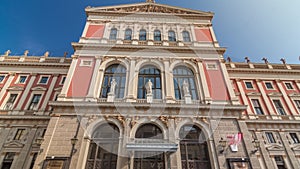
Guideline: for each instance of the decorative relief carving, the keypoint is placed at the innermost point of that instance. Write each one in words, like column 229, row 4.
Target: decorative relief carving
column 150, row 8
column 164, row 119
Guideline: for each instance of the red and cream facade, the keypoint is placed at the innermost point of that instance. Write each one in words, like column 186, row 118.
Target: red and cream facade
column 125, row 125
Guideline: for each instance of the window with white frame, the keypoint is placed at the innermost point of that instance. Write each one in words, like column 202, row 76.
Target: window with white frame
column 44, row 80
column 19, row 134
column 297, row 102
column 143, row 35
column 257, row 107
column 22, row 79
column 280, row 162
column 295, row 138
column 10, row 102
column 157, row 35
column 172, row 36
column 269, row 85
column 270, row 137
column 8, row 160
column 113, row 34
column 63, row 79
column 2, row 78
column 128, row 34
column 279, row 107
column 289, row 86
column 186, row 36
column 249, row 85
column 34, row 102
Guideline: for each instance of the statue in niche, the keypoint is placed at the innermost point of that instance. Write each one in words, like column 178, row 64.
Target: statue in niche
column 148, row 87
column 185, row 88
column 113, row 84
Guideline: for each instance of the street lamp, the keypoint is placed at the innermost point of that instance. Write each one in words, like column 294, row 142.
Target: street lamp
column 256, row 145
column 222, row 143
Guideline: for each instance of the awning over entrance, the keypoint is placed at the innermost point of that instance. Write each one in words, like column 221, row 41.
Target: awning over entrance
column 157, row 145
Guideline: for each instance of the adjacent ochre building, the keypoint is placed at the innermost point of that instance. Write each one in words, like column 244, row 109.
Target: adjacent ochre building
column 148, row 88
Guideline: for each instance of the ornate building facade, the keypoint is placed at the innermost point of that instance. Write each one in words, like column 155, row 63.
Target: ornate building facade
column 148, row 88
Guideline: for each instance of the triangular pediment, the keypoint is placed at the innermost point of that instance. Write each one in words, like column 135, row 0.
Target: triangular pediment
column 58, row 89
column 16, row 88
column 294, row 95
column 253, row 94
column 147, row 8
column 296, row 148
column 275, row 94
column 14, row 144
column 276, row 147
column 39, row 88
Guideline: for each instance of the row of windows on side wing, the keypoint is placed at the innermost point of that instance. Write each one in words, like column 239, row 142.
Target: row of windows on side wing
column 269, row 85
column 22, row 79
column 157, row 36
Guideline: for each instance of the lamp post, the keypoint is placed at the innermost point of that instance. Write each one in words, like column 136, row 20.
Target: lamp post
column 256, row 145
column 222, row 143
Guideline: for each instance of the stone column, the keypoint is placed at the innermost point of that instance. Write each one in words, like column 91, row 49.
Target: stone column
column 172, row 138
column 232, row 95
column 169, row 83
column 243, row 95
column 24, row 155
column 6, row 85
column 92, row 90
column 286, row 99
column 290, row 154
column 49, row 92
column 131, row 82
column 26, row 92
column 203, row 82
column 264, row 153
column 249, row 147
column 265, row 97
column 69, row 77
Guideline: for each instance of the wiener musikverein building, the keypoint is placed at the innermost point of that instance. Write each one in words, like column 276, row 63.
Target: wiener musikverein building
column 147, row 87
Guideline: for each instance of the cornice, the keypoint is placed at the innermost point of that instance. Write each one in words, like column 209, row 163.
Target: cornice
column 124, row 47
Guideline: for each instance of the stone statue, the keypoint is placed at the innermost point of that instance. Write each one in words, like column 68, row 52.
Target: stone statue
column 7, row 53
column 46, row 54
column 149, row 87
column 26, row 53
column 185, row 88
column 113, row 84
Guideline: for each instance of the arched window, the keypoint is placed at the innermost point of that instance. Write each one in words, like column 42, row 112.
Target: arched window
column 186, row 36
column 117, row 72
column 157, row 35
column 113, row 34
column 172, row 36
column 143, row 35
column 152, row 74
column 149, row 159
column 193, row 148
column 128, row 34
column 181, row 74
column 103, row 151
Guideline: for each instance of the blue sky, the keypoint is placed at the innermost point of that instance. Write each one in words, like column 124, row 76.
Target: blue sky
column 253, row 28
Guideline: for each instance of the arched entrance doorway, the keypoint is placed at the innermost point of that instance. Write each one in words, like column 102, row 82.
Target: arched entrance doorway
column 103, row 151
column 193, row 148
column 149, row 133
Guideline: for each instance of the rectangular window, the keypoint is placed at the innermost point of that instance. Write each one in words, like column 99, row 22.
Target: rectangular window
column 9, row 104
column 279, row 162
column 63, row 79
column 33, row 160
column 270, row 137
column 294, row 138
column 44, row 80
column 19, row 134
column 34, row 102
column 8, row 160
column 297, row 102
column 2, row 78
column 22, row 79
column 269, row 85
column 257, row 107
column 249, row 85
column 279, row 107
column 289, row 86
